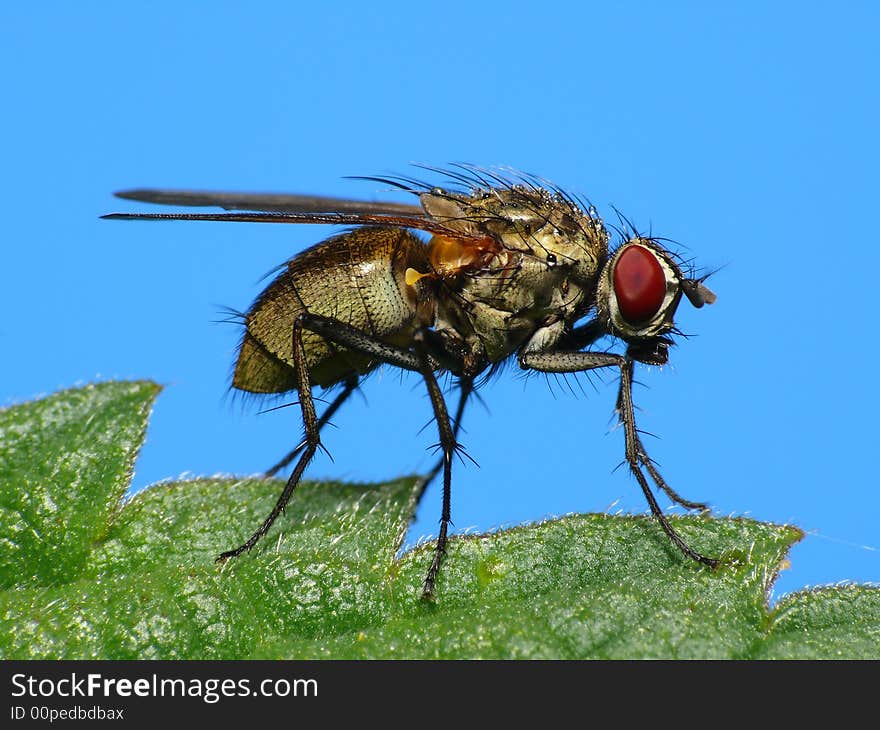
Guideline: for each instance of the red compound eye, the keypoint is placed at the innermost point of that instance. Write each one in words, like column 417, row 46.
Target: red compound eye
column 639, row 283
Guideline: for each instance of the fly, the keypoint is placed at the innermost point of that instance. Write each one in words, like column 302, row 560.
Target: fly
column 514, row 268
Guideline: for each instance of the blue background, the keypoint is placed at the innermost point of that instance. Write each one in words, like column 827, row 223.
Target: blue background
column 747, row 134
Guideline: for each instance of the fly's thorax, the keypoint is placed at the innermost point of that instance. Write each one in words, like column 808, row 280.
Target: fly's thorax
column 557, row 249
column 497, row 308
column 639, row 290
column 534, row 222
column 515, row 259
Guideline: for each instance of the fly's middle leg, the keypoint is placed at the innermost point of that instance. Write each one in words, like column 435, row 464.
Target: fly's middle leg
column 423, row 362
column 465, row 390
column 448, row 445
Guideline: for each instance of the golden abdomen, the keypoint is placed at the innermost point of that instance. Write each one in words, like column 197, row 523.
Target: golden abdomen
column 357, row 278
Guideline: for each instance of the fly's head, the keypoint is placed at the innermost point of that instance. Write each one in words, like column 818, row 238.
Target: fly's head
column 639, row 290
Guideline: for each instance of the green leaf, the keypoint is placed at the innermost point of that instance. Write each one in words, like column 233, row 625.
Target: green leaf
column 65, row 462
column 842, row 622
column 140, row 581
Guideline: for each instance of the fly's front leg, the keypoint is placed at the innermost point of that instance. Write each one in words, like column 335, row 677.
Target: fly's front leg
column 635, row 454
column 645, row 460
column 654, row 352
column 573, row 362
column 312, row 441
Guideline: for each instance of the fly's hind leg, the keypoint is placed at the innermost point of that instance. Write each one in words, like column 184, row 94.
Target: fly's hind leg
column 349, row 387
column 312, row 442
column 421, row 361
column 636, row 457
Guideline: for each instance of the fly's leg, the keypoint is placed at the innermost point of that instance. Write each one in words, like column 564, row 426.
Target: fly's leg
column 465, row 389
column 423, row 362
column 420, row 361
column 573, row 362
column 635, row 454
column 448, row 444
column 585, row 335
column 649, row 465
column 312, row 441
column 349, row 388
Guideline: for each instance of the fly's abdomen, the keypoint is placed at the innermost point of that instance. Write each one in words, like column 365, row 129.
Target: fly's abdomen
column 357, row 278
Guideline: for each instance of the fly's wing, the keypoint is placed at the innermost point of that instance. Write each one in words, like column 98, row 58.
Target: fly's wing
column 460, row 243
column 282, row 208
column 274, row 202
